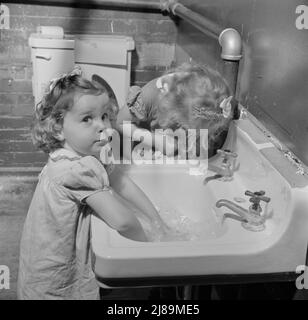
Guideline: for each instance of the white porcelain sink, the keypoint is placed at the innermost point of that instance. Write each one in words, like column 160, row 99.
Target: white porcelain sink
column 219, row 248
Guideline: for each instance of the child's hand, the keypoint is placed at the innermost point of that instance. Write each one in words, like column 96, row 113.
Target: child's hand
column 162, row 227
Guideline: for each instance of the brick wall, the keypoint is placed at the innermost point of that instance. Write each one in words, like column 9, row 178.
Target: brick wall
column 154, row 36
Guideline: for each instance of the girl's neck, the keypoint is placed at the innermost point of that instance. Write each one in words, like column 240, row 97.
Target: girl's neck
column 68, row 147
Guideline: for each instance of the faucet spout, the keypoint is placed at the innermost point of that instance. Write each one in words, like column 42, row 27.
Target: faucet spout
column 252, row 219
column 243, row 213
column 226, row 167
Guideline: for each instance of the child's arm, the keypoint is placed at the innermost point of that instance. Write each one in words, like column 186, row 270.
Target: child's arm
column 133, row 194
column 110, row 207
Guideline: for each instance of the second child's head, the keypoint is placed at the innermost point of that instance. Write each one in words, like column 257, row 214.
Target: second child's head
column 195, row 97
column 73, row 114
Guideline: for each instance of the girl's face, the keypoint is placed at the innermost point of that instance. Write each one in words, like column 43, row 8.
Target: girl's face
column 84, row 123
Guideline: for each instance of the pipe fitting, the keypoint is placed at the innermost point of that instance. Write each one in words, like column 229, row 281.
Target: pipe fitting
column 168, row 5
column 231, row 44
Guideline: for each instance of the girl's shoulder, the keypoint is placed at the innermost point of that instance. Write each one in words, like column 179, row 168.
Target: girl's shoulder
column 67, row 168
column 142, row 101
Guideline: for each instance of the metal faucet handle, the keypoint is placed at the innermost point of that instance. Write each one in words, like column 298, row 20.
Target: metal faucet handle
column 257, row 196
column 227, row 153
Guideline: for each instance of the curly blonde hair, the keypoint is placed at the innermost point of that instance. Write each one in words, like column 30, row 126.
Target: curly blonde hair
column 192, row 88
column 50, row 111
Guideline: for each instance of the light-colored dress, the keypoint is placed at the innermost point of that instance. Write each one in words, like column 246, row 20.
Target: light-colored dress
column 55, row 250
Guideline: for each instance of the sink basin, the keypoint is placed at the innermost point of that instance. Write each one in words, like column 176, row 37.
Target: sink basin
column 217, row 246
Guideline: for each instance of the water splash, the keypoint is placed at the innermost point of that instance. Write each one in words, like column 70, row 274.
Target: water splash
column 180, row 227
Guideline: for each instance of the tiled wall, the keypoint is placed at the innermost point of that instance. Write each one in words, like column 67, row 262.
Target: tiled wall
column 154, row 35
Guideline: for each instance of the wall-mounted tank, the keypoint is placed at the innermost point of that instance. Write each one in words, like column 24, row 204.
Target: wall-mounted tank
column 106, row 60
column 52, row 54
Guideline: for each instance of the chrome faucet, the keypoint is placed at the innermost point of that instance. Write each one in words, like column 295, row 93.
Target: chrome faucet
column 226, row 169
column 251, row 219
column 227, row 164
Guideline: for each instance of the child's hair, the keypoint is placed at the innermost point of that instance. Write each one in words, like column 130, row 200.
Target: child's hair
column 60, row 98
column 193, row 101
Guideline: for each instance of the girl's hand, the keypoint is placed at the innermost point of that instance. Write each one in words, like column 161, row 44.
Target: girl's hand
column 162, row 227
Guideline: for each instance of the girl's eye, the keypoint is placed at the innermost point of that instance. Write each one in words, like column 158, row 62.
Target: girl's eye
column 86, row 119
column 105, row 116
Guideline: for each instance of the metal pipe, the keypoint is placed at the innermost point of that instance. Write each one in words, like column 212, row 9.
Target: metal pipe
column 231, row 53
column 131, row 4
column 231, row 44
column 204, row 25
column 229, row 39
column 230, row 72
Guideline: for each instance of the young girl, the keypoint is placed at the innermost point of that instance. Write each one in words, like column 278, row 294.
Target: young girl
column 55, row 256
column 191, row 97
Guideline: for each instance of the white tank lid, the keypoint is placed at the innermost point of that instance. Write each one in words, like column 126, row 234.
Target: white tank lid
column 111, row 40
column 103, row 49
column 51, row 37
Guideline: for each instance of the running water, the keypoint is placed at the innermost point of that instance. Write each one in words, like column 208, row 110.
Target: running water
column 182, row 228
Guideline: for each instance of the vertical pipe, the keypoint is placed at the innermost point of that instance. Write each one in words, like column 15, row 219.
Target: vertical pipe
column 229, row 39
column 231, row 53
column 230, row 72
